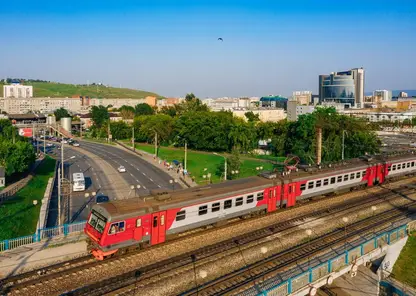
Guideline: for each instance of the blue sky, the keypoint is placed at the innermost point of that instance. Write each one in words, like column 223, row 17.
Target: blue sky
column 171, row 47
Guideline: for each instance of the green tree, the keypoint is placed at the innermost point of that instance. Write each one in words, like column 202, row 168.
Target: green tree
column 120, row 130
column 99, row 115
column 144, row 109
column 127, row 112
column 233, row 166
column 61, row 113
column 251, row 117
column 170, row 110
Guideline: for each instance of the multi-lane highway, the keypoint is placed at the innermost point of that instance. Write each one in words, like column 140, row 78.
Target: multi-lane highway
column 86, row 159
column 138, row 171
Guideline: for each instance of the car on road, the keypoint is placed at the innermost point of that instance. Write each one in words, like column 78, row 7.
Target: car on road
column 50, row 145
column 74, row 143
column 102, row 199
column 121, row 169
column 64, row 141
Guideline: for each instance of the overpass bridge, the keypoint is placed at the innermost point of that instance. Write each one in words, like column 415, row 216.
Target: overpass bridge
column 307, row 278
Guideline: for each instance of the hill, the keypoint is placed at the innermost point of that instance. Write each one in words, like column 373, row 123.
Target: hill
column 54, row 89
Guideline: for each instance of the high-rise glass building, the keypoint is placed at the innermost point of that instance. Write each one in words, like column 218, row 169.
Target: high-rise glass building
column 346, row 88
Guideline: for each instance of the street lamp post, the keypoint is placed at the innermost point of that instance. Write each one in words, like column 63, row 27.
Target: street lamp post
column 173, row 183
column 373, row 211
column 225, row 166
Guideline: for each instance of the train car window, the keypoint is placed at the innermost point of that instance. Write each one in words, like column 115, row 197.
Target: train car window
column 363, row 174
column 290, row 190
column 358, row 175
column 326, row 182
column 116, row 227
column 318, row 183
column 389, row 168
column 345, row 177
column 399, row 166
column 228, row 204
column 339, row 179
column 239, row 201
column 162, row 220
column 260, row 196
column 155, row 221
column 138, row 222
column 215, row 207
column 310, row 185
column 180, row 215
column 203, row 210
column 408, row 164
column 250, row 199
column 302, row 187
column 413, row 163
column 394, row 167
column 333, row 180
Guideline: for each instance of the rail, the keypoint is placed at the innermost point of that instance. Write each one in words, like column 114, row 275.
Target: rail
column 43, row 234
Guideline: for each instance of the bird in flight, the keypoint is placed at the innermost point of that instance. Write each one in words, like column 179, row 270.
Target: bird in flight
column 220, row 39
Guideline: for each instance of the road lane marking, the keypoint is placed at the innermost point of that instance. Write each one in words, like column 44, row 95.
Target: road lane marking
column 159, row 186
column 144, row 187
column 144, row 174
column 151, row 179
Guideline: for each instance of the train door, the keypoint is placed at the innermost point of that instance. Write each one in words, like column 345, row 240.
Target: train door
column 138, row 230
column 158, row 228
column 371, row 173
column 380, row 173
column 291, row 194
column 271, row 199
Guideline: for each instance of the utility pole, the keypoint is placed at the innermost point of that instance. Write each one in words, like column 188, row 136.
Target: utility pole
column 155, row 144
column 132, row 140
column 59, row 196
column 186, row 146
column 44, row 142
column 108, row 131
column 225, row 169
column 343, row 141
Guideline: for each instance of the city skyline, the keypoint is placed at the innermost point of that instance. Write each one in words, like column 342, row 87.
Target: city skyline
column 267, row 47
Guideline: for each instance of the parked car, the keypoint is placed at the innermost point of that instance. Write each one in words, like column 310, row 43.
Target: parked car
column 74, row 143
column 50, row 145
column 64, row 141
column 121, row 169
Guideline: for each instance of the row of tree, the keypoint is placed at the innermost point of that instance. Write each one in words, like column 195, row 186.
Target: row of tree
column 16, row 152
column 192, row 122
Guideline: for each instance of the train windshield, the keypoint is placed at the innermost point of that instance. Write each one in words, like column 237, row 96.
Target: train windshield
column 97, row 221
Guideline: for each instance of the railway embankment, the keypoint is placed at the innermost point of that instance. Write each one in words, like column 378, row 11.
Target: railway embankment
column 383, row 198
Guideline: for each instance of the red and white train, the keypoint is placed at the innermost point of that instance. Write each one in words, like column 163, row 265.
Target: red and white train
column 133, row 222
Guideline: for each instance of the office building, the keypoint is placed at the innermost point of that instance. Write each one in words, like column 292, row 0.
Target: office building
column 345, row 88
column 273, row 102
column 294, row 110
column 17, row 91
column 403, row 94
column 272, row 115
column 302, row 97
column 382, row 96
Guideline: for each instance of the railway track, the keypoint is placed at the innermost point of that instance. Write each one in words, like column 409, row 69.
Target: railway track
column 64, row 272
column 152, row 274
column 233, row 283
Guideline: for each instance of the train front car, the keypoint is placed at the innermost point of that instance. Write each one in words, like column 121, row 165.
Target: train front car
column 116, row 226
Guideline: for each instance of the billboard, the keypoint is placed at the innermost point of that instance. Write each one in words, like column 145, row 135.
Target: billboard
column 25, row 132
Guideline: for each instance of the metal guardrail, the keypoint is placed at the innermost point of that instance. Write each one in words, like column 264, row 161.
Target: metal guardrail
column 43, row 234
column 277, row 287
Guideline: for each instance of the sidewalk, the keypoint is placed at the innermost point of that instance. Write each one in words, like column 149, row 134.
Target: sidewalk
column 42, row 254
column 185, row 181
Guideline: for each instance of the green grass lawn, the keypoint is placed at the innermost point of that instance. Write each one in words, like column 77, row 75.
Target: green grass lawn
column 101, row 141
column 53, row 89
column 199, row 161
column 405, row 268
column 18, row 217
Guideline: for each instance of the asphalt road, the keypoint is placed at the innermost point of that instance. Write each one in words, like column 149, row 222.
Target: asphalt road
column 138, row 171
column 94, row 182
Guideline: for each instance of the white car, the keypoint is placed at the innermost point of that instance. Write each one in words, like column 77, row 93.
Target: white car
column 75, row 144
column 49, row 145
column 121, row 169
column 64, row 141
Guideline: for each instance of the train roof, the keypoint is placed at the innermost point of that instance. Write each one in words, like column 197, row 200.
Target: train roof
column 162, row 199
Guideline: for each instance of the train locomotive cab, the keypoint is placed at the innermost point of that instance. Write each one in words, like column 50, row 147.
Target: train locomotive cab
column 110, row 229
